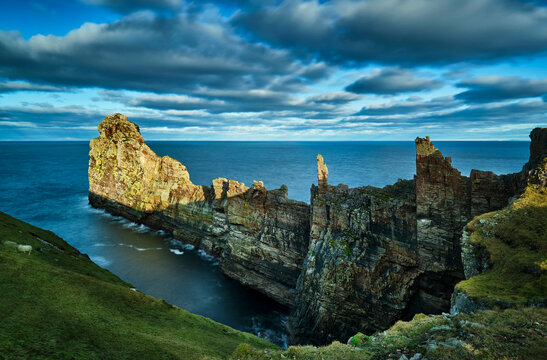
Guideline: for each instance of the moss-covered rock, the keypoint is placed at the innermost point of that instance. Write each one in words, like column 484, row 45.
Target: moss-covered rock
column 504, row 254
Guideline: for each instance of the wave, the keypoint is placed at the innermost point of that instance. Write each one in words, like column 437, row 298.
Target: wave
column 100, row 260
column 209, row 258
column 176, row 251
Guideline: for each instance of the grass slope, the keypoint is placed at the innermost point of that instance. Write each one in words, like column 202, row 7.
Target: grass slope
column 57, row 304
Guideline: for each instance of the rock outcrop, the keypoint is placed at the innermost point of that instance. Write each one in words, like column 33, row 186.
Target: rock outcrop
column 355, row 259
column 260, row 235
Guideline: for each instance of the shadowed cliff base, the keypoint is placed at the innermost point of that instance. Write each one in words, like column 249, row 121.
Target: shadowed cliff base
column 354, row 259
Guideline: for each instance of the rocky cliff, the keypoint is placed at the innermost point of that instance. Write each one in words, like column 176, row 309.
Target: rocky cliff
column 260, row 235
column 355, row 259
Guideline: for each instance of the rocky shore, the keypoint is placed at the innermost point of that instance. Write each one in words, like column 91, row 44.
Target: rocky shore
column 355, row 259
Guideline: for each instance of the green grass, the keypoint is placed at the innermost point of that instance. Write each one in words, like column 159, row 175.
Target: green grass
column 516, row 241
column 57, row 304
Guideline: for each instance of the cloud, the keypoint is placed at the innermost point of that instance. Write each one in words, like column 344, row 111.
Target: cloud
column 127, row 6
column 409, row 106
column 217, row 101
column 400, row 32
column 335, row 98
column 13, row 86
column 497, row 88
column 523, row 112
column 392, row 80
column 143, row 51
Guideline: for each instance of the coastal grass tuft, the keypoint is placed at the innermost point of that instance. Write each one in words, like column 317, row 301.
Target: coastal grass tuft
column 515, row 239
column 56, row 304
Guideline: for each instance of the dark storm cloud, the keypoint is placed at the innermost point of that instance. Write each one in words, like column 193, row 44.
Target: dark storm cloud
column 498, row 88
column 393, row 80
column 143, row 51
column 401, row 31
column 409, row 106
column 127, row 6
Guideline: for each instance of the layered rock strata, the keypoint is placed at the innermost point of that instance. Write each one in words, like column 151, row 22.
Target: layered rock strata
column 355, row 259
column 260, row 235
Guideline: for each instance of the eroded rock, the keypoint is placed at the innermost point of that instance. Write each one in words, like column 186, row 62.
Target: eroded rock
column 261, row 236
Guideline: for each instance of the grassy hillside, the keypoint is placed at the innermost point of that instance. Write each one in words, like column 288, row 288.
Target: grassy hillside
column 56, row 304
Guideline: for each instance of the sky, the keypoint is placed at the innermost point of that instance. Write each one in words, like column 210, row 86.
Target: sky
column 274, row 70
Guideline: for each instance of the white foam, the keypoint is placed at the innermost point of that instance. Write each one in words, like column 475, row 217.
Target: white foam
column 176, row 251
column 207, row 257
column 178, row 244
column 138, row 248
column 100, row 260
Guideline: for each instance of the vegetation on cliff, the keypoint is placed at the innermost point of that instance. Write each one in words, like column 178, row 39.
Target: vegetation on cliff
column 57, row 304
column 489, row 334
column 513, row 245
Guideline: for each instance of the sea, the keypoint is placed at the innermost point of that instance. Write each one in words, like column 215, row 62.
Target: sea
column 46, row 184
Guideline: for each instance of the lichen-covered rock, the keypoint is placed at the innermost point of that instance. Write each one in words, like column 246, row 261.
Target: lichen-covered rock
column 322, row 173
column 475, row 257
column 260, row 236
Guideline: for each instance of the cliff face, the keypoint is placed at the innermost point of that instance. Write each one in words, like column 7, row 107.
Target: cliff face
column 260, row 236
column 360, row 265
column 379, row 255
column 355, row 259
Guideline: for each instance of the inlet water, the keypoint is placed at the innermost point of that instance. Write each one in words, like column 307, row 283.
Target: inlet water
column 45, row 184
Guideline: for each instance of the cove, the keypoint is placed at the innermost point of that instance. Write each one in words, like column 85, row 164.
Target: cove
column 46, row 184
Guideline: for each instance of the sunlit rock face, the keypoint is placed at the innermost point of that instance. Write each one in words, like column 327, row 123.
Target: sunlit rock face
column 260, row 236
column 355, row 259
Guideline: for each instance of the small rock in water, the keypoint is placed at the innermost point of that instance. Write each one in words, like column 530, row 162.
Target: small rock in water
column 417, row 356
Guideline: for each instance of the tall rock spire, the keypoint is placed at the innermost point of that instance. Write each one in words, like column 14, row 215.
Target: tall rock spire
column 322, row 173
